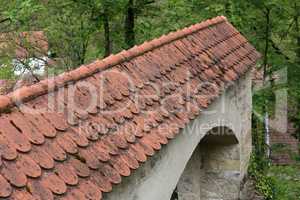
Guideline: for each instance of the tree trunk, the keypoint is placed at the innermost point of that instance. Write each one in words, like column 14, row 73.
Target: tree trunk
column 106, row 34
column 297, row 29
column 297, row 33
column 267, row 35
column 265, row 65
column 129, row 24
column 81, row 52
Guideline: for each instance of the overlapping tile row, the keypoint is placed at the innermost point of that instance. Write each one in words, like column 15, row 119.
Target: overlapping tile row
column 80, row 146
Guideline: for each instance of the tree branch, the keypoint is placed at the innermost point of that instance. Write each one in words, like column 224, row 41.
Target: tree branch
column 4, row 20
column 29, row 69
column 278, row 50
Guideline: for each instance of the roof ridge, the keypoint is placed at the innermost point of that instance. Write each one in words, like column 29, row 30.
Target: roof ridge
column 27, row 93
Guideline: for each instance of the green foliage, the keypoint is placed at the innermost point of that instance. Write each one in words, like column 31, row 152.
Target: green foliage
column 75, row 28
column 258, row 140
column 279, row 147
column 286, row 181
column 259, row 164
column 21, row 12
column 263, row 183
column 6, row 72
column 262, row 98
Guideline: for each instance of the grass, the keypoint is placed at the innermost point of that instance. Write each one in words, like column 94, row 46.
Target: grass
column 286, row 181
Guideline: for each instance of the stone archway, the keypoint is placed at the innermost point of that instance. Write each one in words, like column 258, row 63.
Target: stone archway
column 213, row 171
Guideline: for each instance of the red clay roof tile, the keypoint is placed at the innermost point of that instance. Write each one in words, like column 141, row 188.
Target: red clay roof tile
column 101, row 181
column 36, row 188
column 67, row 173
column 52, row 182
column 13, row 174
column 29, row 166
column 143, row 97
column 90, row 190
column 120, row 166
column 8, row 151
column 5, row 187
column 80, row 167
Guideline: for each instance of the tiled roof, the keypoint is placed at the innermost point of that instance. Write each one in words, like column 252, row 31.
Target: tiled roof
column 78, row 148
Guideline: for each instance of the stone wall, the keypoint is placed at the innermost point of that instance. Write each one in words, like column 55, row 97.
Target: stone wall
column 158, row 177
column 213, row 172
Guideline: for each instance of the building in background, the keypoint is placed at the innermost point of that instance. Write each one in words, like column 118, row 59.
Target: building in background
column 28, row 52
